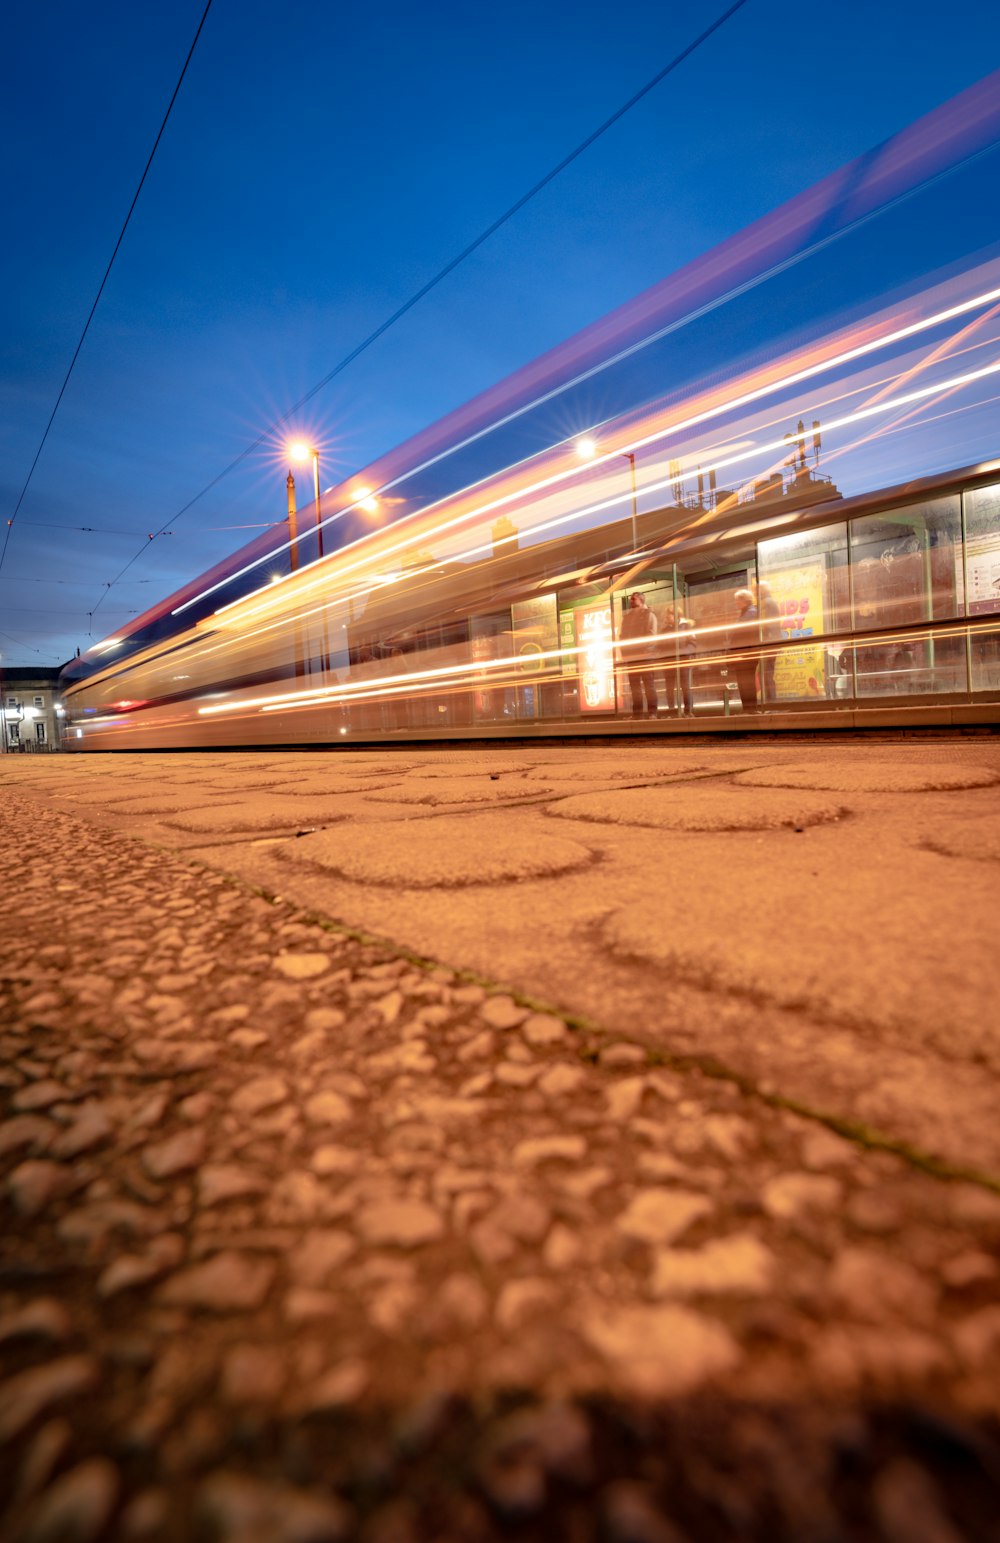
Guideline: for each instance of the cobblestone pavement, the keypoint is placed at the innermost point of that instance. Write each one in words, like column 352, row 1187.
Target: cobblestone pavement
column 309, row 1236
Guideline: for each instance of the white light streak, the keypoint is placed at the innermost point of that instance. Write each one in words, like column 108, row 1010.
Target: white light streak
column 859, row 351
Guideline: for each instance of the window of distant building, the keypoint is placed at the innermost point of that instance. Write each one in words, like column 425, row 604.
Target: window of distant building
column 39, row 733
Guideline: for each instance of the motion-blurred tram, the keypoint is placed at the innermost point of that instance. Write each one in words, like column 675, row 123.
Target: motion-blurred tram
column 669, row 460
column 783, row 605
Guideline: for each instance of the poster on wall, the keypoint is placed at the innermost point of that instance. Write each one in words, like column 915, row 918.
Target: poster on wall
column 596, row 658
column 535, row 625
column 982, row 558
column 982, row 550
column 799, row 592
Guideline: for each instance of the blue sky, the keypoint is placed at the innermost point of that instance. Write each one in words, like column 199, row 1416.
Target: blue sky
column 320, row 164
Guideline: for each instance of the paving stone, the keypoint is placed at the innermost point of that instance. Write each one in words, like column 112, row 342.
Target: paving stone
column 338, row 1388
column 400, row 1223
column 873, row 1285
column 39, row 1095
column 631, row 1515
column 662, row 1215
column 560, row 1079
column 520, row 1300
column 544, row 1149
column 90, row 1226
column 624, row 1098
column 78, row 1505
column 236, row 1509
column 145, row 1516
column 219, row 1182
column 91, row 1128
column 738, row 1264
column 327, row 1108
column 622, row 1054
column 700, row 808
column 46, row 1452
column 34, row 1183
column 977, row 1336
column 796, row 1194
column 260, row 1094
column 479, row 849
column 45, row 1318
column 302, row 966
column 881, row 776
column 318, row 1257
column 660, row 1351
column 503, row 1013
column 253, row 1374
column 35, row 1392
column 178, row 1154
column 31, row 1131
column 392, row 1202
column 131, row 1270
column 230, row 1282
column 544, row 1029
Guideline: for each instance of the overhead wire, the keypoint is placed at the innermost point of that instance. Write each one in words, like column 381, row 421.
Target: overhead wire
column 440, row 276
column 103, row 283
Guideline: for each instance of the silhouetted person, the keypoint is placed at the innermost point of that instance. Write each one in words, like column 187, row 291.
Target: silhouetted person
column 770, row 631
column 743, row 636
column 677, row 656
column 686, row 649
column 639, row 622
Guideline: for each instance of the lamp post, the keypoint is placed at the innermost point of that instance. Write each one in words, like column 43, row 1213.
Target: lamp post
column 302, row 452
column 293, row 528
column 586, row 449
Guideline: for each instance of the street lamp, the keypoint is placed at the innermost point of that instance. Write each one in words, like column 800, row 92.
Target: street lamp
column 586, row 449
column 301, row 452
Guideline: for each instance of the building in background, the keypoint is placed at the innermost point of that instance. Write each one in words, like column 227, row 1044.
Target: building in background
column 30, row 709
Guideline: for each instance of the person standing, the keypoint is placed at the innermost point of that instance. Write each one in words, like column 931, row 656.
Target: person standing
column 743, row 636
column 770, row 632
column 639, row 623
column 686, row 649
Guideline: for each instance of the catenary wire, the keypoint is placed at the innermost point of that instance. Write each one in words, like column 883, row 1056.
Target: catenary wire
column 100, row 292
column 443, row 273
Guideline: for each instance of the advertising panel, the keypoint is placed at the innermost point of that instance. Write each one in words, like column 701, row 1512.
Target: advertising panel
column 596, row 659
column 982, row 550
column 536, row 631
column 982, row 557
column 798, row 592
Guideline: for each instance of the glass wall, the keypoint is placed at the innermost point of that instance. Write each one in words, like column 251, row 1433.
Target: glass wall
column 907, row 569
column 804, row 594
column 982, row 584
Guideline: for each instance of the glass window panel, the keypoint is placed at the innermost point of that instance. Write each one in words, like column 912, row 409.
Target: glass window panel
column 710, row 602
column 982, row 550
column 910, row 664
column 907, row 565
column 985, row 657
column 805, row 577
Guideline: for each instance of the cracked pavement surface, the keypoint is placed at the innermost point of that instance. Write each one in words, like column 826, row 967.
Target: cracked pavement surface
column 548, row 1142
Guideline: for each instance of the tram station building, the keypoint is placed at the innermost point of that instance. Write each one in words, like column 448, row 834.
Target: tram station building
column 30, row 710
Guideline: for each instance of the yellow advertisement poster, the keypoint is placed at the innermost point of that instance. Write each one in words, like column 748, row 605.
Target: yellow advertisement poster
column 799, row 593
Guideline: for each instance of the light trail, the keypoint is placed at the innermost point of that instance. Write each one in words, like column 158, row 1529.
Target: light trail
column 779, row 446
column 797, row 377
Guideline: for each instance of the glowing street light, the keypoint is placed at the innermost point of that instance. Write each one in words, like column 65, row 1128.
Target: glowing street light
column 586, row 449
column 366, row 500
column 301, row 452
